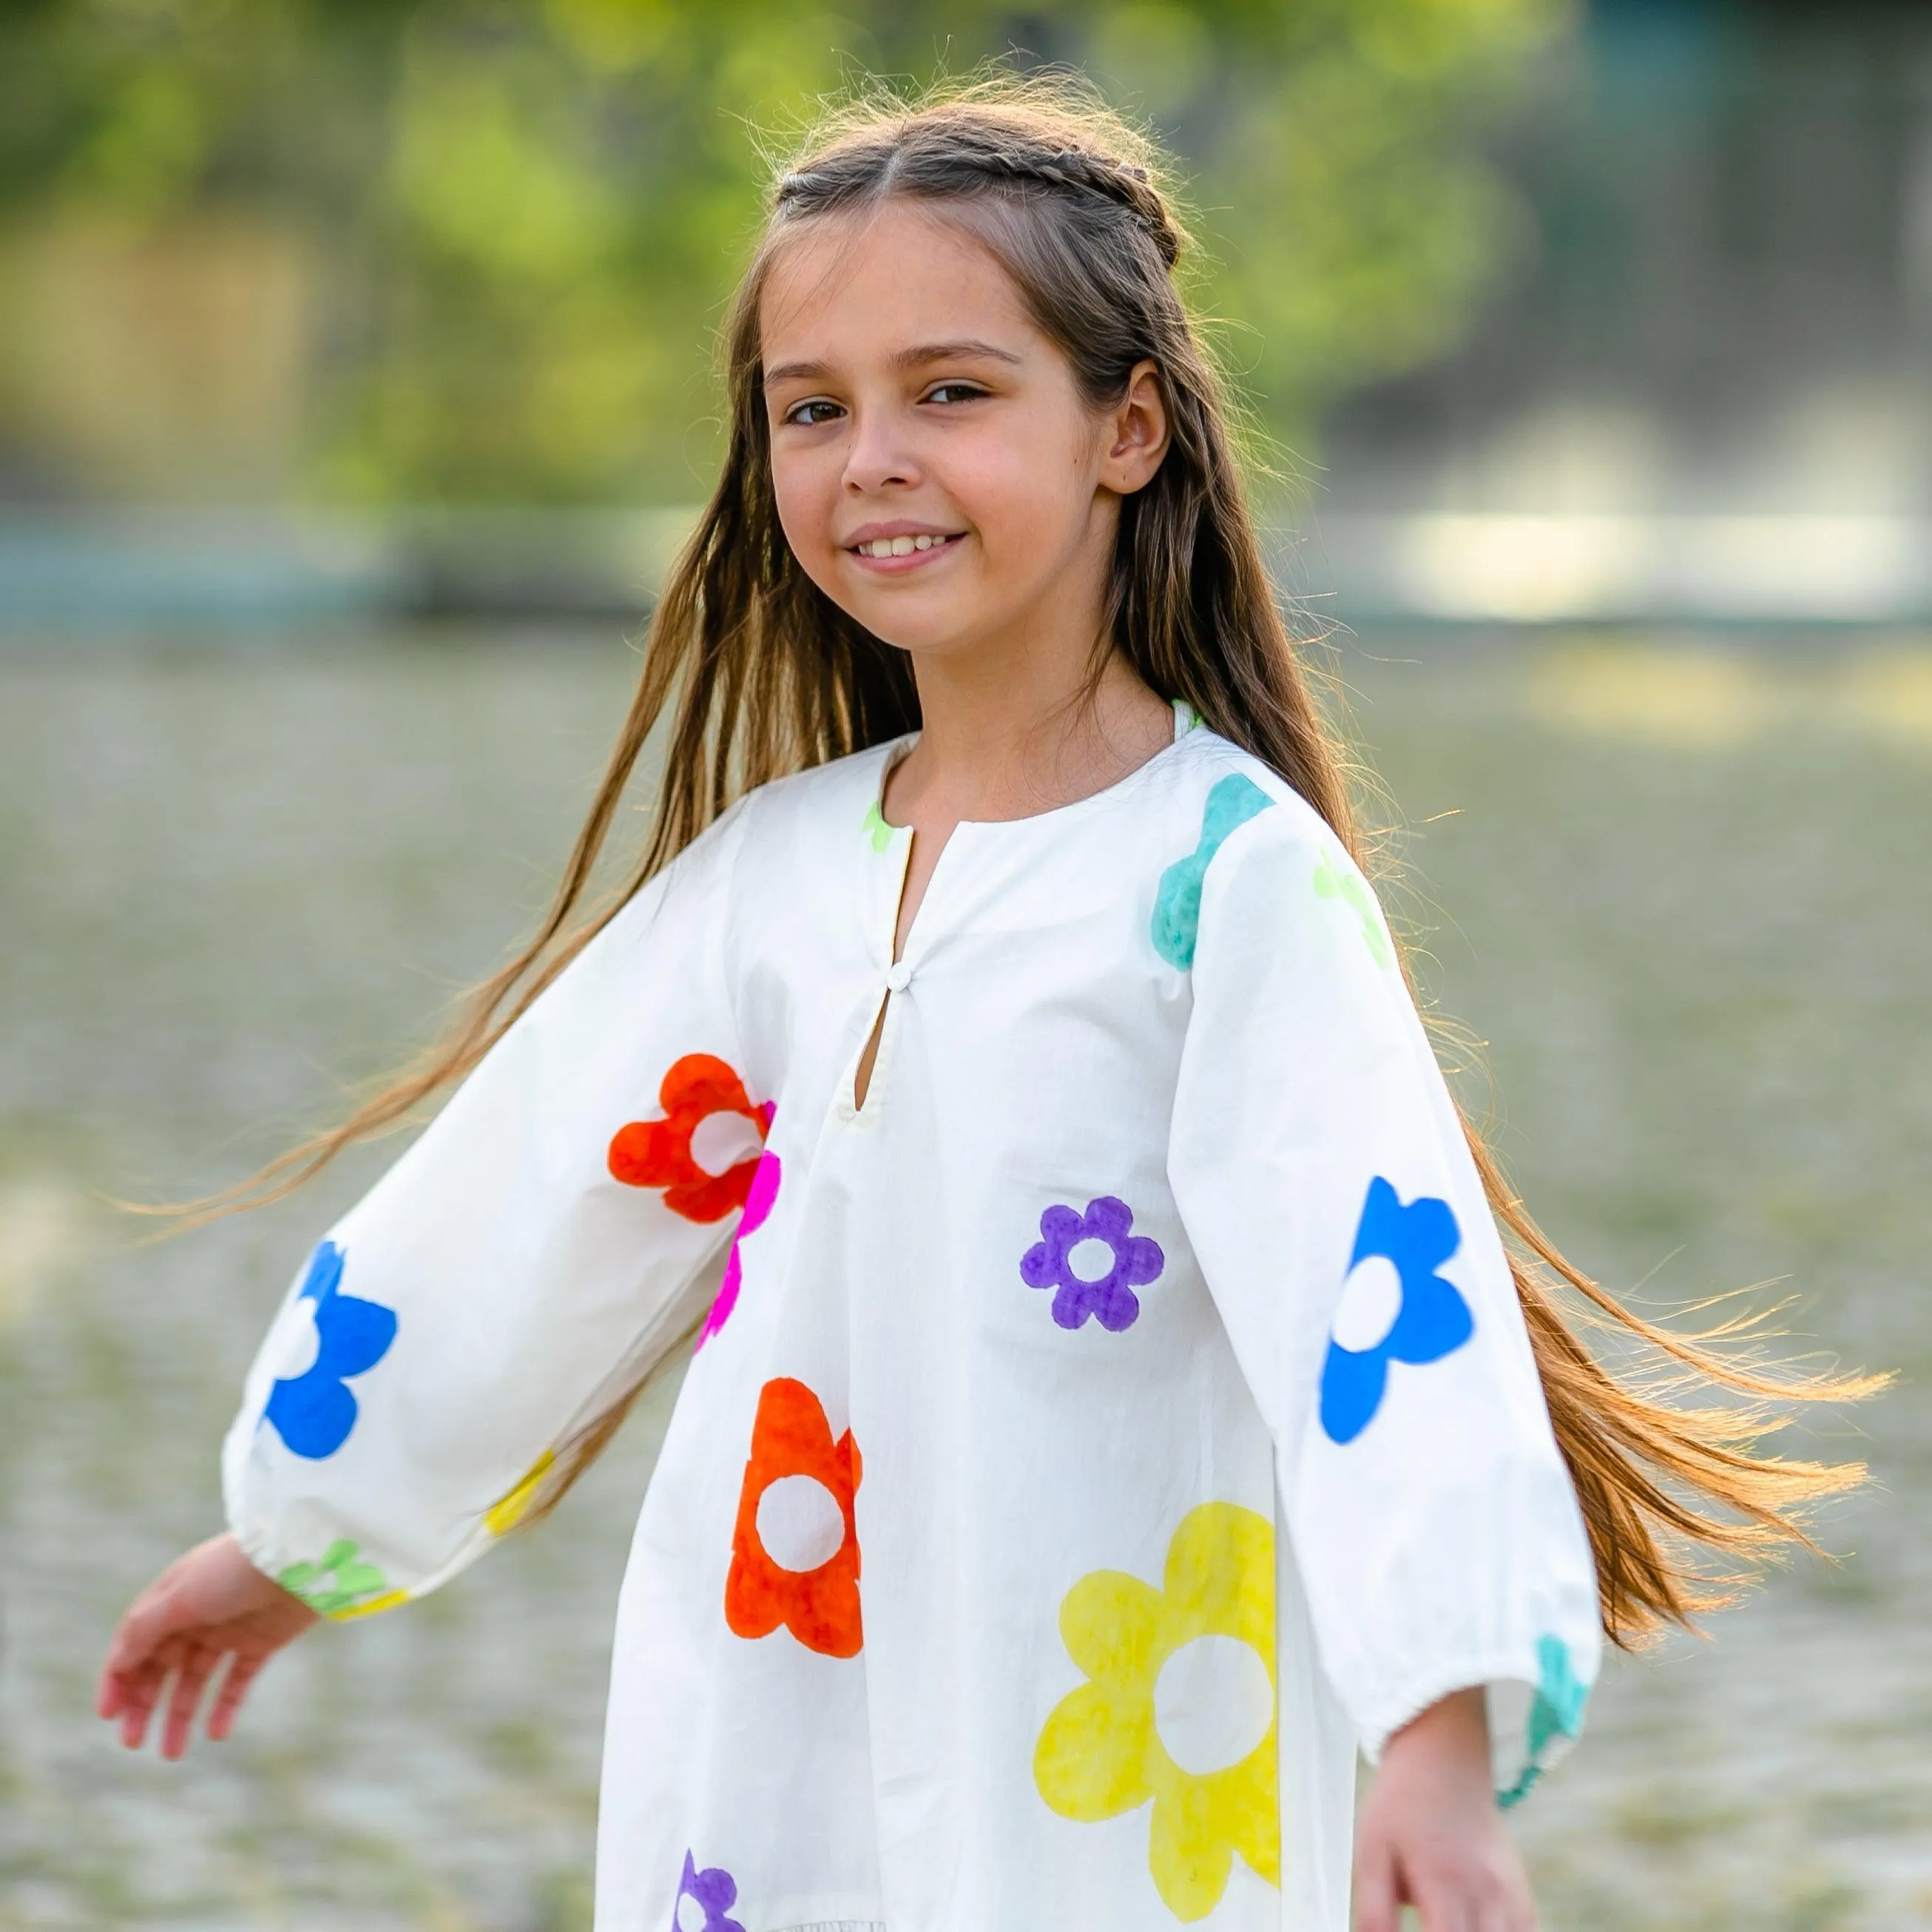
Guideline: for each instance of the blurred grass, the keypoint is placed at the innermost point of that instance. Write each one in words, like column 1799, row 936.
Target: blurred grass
column 1683, row 898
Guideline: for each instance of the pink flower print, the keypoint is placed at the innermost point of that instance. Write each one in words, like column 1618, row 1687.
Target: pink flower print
column 1134, row 1262
column 764, row 1191
column 713, row 1891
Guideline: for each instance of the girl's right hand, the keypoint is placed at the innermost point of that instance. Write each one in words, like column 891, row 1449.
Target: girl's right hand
column 210, row 1604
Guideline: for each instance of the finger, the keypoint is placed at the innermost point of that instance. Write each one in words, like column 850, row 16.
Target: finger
column 189, row 1681
column 1378, row 1908
column 1491, row 1893
column 1448, row 1907
column 241, row 1673
column 147, row 1625
column 110, row 1694
column 144, row 1686
column 1514, row 1910
column 129, row 1663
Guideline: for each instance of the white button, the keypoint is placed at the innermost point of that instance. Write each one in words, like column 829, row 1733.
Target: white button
column 899, row 977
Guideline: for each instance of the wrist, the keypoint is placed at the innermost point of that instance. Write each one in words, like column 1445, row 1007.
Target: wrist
column 1447, row 1746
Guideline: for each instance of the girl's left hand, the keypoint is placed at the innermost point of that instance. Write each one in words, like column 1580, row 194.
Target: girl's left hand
column 1429, row 1834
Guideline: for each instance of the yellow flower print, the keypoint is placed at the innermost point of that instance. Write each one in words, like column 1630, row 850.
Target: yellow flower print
column 509, row 1510
column 390, row 1599
column 1101, row 1754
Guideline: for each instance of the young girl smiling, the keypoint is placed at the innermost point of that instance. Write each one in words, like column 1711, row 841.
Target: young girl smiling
column 1115, row 1404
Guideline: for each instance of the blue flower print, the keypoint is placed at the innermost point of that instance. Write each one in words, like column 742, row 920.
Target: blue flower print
column 314, row 1412
column 1557, row 1712
column 1231, row 802
column 713, row 1891
column 1433, row 1318
column 1110, row 1298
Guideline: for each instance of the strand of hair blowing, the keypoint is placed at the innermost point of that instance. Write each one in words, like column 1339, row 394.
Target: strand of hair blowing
column 763, row 675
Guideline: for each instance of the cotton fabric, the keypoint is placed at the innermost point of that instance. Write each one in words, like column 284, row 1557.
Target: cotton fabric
column 1092, row 1440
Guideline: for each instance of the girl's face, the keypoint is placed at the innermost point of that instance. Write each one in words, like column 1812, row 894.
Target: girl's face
column 939, row 475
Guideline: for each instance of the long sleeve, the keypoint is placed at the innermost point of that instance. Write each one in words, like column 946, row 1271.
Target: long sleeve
column 1322, row 1171
column 549, row 1237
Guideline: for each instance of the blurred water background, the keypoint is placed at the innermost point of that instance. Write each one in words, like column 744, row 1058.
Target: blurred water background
column 353, row 390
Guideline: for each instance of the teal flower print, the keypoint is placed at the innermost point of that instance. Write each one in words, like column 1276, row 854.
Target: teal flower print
column 1232, row 802
column 1557, row 1711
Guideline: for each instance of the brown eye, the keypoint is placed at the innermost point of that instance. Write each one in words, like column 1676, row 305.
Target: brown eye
column 803, row 413
column 951, row 393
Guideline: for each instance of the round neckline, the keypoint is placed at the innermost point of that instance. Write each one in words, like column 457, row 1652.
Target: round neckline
column 1186, row 722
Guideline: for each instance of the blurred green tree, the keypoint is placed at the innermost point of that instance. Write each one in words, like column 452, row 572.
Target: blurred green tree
column 524, row 215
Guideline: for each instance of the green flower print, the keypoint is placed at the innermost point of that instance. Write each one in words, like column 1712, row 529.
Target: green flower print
column 341, row 1585
column 876, row 829
column 1342, row 882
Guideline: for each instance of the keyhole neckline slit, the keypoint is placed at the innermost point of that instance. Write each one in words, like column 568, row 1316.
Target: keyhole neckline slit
column 899, row 971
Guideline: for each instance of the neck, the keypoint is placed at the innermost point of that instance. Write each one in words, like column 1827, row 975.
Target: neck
column 1022, row 724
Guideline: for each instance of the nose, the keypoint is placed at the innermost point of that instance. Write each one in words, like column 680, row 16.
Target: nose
column 878, row 457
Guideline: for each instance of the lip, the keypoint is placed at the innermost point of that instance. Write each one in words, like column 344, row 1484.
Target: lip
column 945, row 541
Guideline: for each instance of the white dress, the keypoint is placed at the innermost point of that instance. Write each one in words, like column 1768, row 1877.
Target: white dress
column 1092, row 1440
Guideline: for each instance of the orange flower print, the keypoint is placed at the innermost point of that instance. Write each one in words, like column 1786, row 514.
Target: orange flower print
column 795, row 1551
column 657, row 1153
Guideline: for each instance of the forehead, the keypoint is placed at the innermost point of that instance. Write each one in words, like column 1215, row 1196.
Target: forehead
column 847, row 288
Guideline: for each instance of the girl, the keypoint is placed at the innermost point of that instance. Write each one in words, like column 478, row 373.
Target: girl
column 1114, row 1403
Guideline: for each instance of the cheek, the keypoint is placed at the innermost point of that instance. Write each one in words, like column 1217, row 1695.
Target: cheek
column 805, row 490
column 1029, row 496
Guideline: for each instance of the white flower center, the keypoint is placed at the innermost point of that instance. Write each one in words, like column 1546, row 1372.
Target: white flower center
column 1092, row 1259
column 721, row 1141
column 1371, row 1300
column 294, row 1343
column 800, row 1523
column 1213, row 1703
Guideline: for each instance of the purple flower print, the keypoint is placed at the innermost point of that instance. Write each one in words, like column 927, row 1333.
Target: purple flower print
column 713, row 1891
column 1110, row 1298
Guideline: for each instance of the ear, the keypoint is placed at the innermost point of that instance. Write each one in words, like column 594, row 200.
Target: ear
column 1136, row 430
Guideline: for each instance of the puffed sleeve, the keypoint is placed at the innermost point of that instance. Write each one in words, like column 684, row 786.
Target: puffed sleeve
column 547, row 1238
column 1321, row 1172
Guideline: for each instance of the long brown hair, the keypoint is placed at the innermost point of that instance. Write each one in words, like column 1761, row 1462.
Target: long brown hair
column 763, row 675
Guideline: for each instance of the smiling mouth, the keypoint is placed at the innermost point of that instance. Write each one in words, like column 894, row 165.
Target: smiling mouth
column 881, row 548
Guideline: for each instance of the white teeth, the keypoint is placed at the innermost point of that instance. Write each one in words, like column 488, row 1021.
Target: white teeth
column 899, row 546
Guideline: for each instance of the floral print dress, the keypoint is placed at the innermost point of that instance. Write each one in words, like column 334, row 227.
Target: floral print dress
column 1092, row 1441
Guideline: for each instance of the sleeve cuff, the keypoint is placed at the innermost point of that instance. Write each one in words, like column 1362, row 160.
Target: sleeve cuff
column 1535, row 1706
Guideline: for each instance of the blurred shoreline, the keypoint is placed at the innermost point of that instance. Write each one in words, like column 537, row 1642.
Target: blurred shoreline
column 128, row 574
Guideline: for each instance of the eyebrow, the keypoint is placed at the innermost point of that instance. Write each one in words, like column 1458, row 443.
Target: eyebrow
column 903, row 358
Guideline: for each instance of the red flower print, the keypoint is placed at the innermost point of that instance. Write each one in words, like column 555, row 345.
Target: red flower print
column 790, row 1438
column 657, row 1154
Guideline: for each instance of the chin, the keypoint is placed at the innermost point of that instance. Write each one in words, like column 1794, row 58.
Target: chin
column 932, row 631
